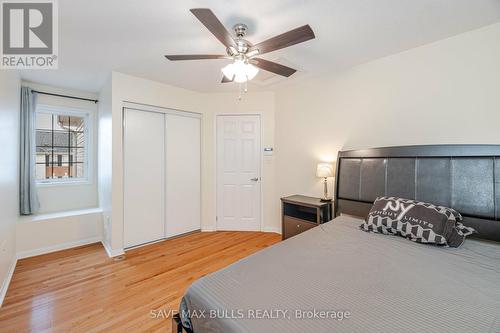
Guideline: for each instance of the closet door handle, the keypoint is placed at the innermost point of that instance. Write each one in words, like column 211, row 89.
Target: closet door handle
column 256, row 179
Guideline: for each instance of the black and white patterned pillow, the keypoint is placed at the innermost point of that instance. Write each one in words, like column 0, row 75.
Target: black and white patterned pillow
column 418, row 221
column 464, row 230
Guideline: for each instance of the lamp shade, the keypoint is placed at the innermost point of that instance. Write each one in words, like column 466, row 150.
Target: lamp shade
column 239, row 71
column 324, row 170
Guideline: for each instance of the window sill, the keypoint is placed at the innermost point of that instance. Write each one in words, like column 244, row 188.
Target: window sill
column 50, row 216
column 64, row 183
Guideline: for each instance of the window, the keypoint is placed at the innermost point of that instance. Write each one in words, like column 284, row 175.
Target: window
column 62, row 141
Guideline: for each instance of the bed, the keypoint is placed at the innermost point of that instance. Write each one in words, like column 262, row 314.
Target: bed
column 336, row 278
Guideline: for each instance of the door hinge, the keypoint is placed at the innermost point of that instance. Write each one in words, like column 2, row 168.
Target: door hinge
column 216, row 218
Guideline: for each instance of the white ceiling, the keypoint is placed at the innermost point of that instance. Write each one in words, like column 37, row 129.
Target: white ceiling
column 131, row 36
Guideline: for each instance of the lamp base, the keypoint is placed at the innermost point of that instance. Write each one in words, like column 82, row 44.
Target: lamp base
column 325, row 197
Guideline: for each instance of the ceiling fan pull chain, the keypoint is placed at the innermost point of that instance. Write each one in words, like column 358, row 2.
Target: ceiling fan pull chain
column 239, row 91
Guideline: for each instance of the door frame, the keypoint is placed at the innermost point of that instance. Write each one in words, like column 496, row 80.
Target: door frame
column 261, row 164
column 163, row 110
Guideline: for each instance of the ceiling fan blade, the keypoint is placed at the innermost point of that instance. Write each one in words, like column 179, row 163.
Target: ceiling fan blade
column 286, row 39
column 273, row 67
column 225, row 79
column 209, row 20
column 195, row 56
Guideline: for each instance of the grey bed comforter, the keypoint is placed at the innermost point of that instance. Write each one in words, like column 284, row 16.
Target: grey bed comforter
column 336, row 278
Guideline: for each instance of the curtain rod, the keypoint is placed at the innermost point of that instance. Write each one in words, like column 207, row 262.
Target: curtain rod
column 66, row 96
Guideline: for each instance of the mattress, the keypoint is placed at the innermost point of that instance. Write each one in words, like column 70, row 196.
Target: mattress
column 336, row 278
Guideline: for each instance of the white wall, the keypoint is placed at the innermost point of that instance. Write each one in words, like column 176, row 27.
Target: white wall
column 104, row 158
column 133, row 89
column 261, row 103
column 10, row 84
column 39, row 234
column 64, row 197
column 445, row 92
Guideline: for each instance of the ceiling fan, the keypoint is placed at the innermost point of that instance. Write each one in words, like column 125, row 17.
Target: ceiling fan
column 245, row 65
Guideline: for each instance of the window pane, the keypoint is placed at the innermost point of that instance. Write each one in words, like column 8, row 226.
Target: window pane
column 42, row 151
column 61, row 138
column 44, row 129
column 61, row 146
column 78, row 156
column 42, row 171
column 70, row 131
column 77, row 139
column 73, row 160
column 52, row 154
column 42, row 158
column 72, row 123
column 61, row 171
column 78, row 170
column 77, row 131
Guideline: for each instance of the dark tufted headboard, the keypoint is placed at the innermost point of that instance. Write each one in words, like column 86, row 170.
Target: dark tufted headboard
column 463, row 177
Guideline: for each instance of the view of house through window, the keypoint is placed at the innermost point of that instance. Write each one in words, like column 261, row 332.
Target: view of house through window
column 61, row 144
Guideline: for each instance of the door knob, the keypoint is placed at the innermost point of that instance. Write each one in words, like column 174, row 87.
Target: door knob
column 256, row 179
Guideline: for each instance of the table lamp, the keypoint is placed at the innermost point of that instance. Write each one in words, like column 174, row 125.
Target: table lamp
column 325, row 170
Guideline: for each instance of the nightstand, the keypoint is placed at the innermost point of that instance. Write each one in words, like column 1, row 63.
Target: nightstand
column 301, row 213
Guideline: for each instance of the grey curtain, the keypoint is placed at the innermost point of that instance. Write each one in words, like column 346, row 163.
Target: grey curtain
column 27, row 192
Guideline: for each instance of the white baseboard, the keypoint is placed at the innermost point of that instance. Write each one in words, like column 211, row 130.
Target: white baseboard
column 59, row 247
column 112, row 252
column 6, row 282
column 275, row 230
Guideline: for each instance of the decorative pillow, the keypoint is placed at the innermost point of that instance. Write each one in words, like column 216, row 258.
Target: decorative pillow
column 419, row 221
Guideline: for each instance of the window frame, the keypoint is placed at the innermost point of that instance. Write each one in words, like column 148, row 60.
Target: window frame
column 88, row 163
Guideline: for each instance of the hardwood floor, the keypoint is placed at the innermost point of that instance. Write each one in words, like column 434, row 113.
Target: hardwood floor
column 82, row 290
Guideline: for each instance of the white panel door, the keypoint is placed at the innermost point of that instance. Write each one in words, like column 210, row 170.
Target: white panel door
column 238, row 172
column 144, row 177
column 183, row 175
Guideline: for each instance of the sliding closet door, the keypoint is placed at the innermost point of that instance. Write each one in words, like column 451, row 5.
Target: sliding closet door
column 144, row 177
column 183, row 174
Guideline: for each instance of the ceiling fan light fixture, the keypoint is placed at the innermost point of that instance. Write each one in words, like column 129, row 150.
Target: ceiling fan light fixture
column 240, row 71
column 228, row 71
column 251, row 71
column 231, row 50
column 252, row 53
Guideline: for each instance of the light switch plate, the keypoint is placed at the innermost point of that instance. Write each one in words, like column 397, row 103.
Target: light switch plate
column 268, row 151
